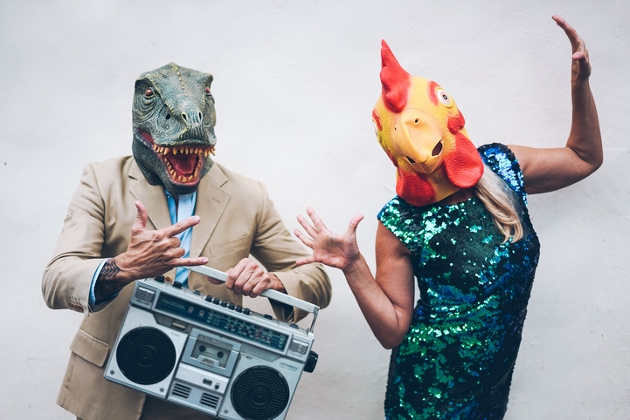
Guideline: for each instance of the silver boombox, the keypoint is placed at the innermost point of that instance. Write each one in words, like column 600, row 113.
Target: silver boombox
column 211, row 355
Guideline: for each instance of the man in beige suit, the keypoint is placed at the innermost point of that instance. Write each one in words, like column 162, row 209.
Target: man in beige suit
column 166, row 207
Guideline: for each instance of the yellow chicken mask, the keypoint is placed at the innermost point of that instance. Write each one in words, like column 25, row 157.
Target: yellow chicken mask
column 422, row 131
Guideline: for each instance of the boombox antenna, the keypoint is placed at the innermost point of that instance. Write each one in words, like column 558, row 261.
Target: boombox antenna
column 269, row 293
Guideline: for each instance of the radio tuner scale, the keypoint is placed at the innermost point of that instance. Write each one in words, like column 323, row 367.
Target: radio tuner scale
column 208, row 354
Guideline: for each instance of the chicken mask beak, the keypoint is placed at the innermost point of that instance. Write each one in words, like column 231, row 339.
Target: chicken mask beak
column 417, row 137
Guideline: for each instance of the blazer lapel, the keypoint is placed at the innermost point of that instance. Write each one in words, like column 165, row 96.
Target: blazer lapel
column 152, row 196
column 211, row 203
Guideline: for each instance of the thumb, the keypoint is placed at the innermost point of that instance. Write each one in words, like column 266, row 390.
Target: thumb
column 141, row 217
column 354, row 222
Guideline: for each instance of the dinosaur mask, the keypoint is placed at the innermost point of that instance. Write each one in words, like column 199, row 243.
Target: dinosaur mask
column 173, row 127
column 422, row 131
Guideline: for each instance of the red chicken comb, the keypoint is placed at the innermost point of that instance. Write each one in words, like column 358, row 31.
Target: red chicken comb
column 395, row 80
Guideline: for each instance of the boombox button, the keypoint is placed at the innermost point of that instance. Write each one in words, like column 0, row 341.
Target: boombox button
column 223, row 303
column 292, row 325
column 216, row 300
column 231, row 306
column 239, row 308
column 246, row 311
column 208, row 298
column 177, row 285
column 268, row 316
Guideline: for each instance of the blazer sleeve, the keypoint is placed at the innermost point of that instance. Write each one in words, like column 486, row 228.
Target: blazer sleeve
column 68, row 276
column 278, row 250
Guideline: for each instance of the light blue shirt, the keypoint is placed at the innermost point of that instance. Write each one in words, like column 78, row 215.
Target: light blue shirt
column 182, row 210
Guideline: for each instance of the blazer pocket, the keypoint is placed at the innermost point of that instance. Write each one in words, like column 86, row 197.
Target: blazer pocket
column 244, row 244
column 90, row 348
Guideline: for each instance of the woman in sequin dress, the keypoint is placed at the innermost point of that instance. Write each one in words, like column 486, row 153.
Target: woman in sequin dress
column 459, row 225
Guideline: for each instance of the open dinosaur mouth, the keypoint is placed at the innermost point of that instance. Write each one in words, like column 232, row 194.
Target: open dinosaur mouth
column 183, row 163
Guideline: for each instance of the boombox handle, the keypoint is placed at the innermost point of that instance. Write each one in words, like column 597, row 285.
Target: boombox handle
column 269, row 293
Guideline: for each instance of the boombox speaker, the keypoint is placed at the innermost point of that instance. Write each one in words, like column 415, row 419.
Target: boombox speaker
column 210, row 355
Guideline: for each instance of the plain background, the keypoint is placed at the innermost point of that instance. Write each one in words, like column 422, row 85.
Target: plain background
column 295, row 83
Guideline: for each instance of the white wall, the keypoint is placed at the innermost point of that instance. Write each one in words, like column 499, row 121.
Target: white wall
column 295, row 82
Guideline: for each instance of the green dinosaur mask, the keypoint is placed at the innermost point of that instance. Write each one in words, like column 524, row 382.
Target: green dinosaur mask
column 173, row 127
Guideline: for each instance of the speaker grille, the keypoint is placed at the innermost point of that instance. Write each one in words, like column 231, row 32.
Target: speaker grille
column 145, row 355
column 260, row 393
column 181, row 390
column 209, row 400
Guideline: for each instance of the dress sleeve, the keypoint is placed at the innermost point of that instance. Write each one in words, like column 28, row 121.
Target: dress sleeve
column 500, row 159
column 397, row 216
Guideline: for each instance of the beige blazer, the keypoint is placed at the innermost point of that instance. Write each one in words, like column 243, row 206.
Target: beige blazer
column 237, row 219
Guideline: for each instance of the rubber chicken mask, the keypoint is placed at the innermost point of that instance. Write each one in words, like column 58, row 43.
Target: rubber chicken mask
column 422, row 131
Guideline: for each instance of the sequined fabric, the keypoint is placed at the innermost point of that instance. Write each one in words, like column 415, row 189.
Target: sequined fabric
column 457, row 358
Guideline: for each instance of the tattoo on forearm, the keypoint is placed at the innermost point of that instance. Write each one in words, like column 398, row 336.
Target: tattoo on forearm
column 105, row 284
column 109, row 271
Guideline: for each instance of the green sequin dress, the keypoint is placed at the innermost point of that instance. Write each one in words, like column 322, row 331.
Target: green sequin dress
column 457, row 359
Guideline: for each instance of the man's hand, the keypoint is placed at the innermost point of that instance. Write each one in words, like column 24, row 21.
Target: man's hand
column 249, row 279
column 150, row 253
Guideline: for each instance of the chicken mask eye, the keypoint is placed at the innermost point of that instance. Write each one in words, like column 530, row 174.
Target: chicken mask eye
column 443, row 97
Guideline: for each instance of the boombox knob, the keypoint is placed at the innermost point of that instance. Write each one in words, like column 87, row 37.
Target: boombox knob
column 311, row 362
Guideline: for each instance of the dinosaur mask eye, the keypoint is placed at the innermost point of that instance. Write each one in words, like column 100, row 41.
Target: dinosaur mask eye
column 148, row 93
column 443, row 97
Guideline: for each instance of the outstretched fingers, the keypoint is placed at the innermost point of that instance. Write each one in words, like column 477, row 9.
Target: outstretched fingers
column 180, row 227
column 312, row 230
column 187, row 262
column 319, row 224
column 578, row 47
column 140, row 224
column 575, row 39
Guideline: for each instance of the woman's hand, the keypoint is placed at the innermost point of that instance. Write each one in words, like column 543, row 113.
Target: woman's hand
column 338, row 251
column 581, row 65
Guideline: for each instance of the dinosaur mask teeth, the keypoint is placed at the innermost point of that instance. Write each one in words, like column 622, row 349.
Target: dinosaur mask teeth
column 202, row 151
column 183, row 163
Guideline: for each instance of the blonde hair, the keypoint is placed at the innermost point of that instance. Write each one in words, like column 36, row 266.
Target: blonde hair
column 498, row 199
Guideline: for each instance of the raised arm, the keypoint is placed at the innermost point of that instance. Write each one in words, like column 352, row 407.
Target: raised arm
column 547, row 170
column 385, row 300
